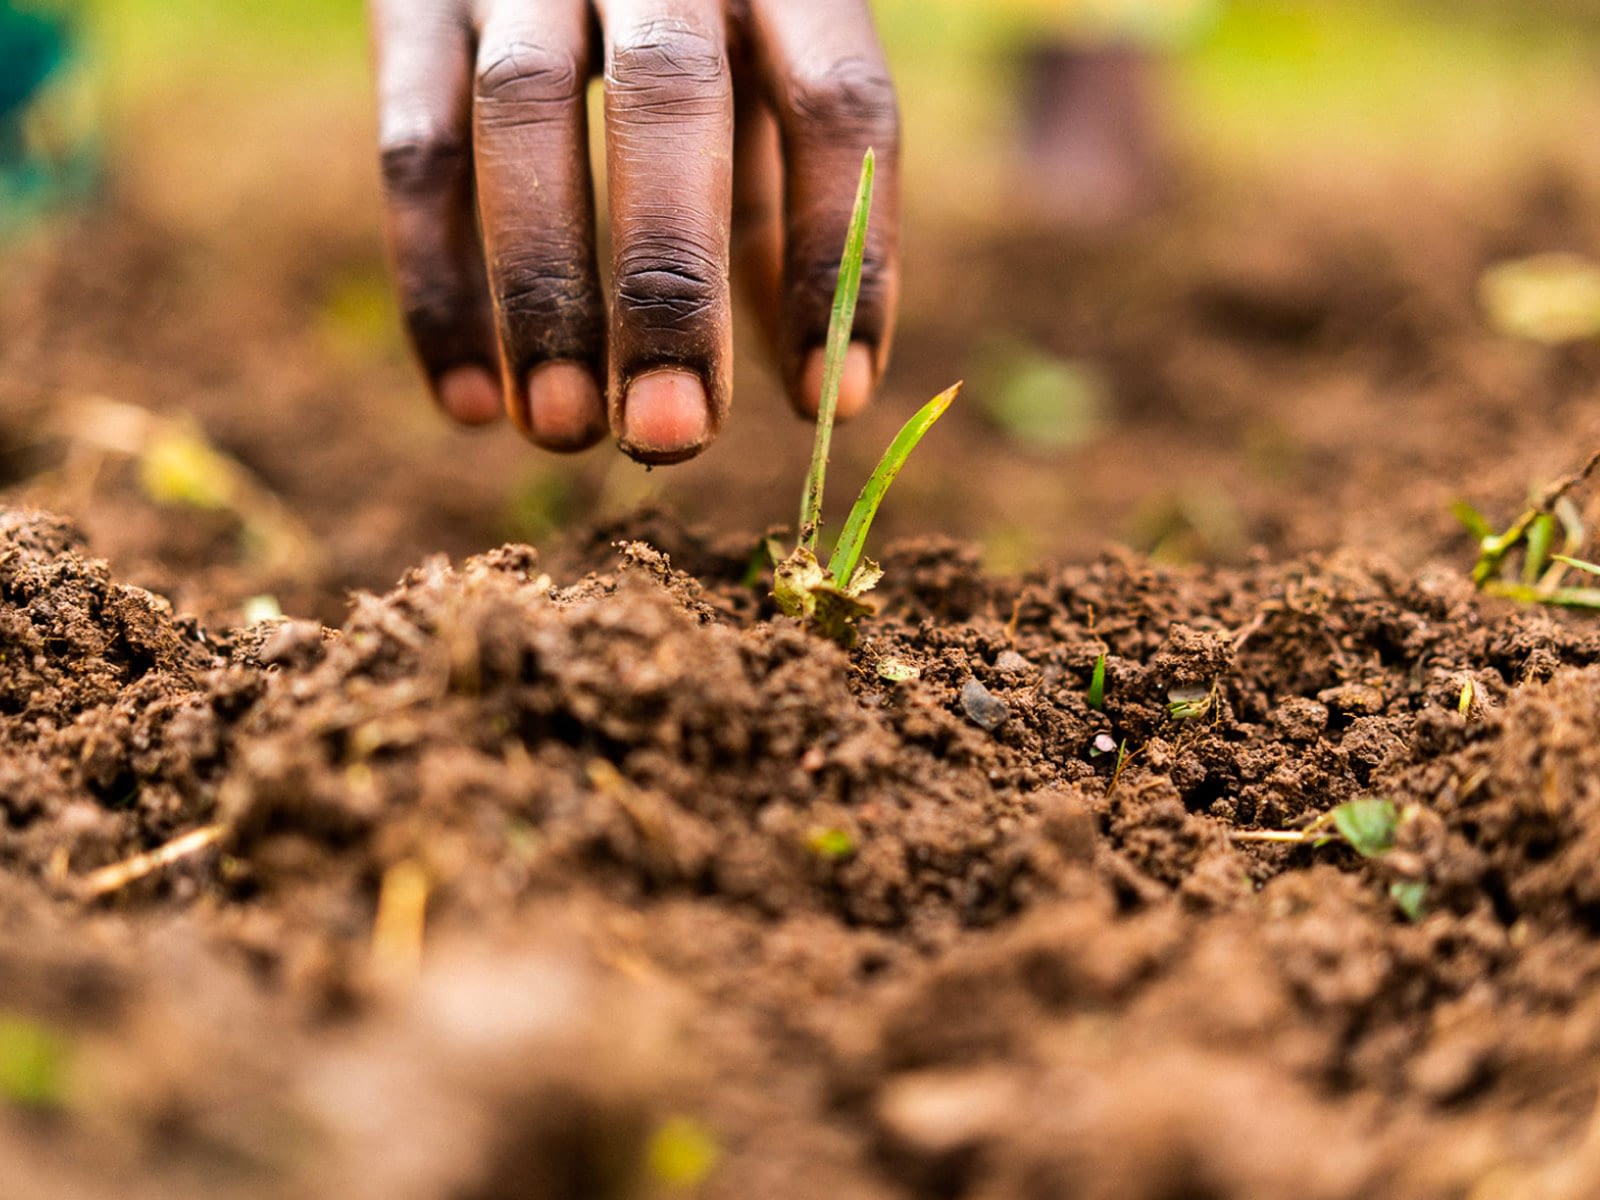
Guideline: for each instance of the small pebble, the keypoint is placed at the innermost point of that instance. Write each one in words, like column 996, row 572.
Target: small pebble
column 983, row 708
column 1012, row 663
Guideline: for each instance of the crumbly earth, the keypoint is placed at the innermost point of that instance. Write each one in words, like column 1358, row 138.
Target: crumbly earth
column 714, row 906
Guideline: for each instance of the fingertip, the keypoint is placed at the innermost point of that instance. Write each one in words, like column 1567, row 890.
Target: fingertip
column 856, row 382
column 470, row 396
column 565, row 410
column 665, row 417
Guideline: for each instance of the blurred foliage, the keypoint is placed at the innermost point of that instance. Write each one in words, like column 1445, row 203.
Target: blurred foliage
column 33, row 1063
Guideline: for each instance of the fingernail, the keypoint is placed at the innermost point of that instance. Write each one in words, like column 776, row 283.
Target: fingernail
column 855, row 382
column 665, row 416
column 565, row 411
column 470, row 395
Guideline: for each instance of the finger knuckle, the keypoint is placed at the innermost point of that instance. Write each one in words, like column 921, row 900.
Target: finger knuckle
column 438, row 316
column 667, row 70
column 525, row 83
column 847, row 98
column 669, row 284
column 545, row 294
column 425, row 162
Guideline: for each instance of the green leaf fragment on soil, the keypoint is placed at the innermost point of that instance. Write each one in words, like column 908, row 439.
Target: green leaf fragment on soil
column 1464, row 703
column 1369, row 825
column 1410, row 897
column 33, row 1064
column 1097, row 685
column 833, row 845
column 898, row 670
column 682, row 1153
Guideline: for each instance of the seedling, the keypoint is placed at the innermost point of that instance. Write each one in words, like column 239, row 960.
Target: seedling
column 1097, row 684
column 1190, row 703
column 1370, row 826
column 1532, row 536
column 830, row 597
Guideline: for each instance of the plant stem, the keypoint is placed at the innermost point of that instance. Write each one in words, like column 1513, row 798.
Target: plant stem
column 840, row 327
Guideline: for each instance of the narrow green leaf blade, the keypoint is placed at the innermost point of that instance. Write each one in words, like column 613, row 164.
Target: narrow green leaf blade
column 1473, row 521
column 840, row 326
column 1097, row 685
column 1577, row 564
column 853, row 541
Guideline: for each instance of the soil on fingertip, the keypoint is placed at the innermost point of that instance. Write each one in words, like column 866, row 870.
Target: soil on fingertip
column 579, row 872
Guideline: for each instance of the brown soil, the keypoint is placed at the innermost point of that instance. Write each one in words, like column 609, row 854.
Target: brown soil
column 715, row 908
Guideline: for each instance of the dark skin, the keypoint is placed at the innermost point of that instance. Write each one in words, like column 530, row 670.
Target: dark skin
column 734, row 136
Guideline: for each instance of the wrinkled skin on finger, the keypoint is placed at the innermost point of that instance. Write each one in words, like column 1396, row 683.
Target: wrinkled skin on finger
column 734, row 132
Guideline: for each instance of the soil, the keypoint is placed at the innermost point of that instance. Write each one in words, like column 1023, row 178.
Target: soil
column 710, row 906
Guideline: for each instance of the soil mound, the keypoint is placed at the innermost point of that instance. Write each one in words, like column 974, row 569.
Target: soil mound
column 927, row 918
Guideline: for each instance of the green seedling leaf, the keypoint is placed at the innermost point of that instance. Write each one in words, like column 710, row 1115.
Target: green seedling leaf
column 178, row 468
column 1584, row 598
column 1097, row 685
column 854, row 538
column 1473, row 521
column 1410, row 897
column 1548, row 298
column 1540, row 540
column 1189, row 703
column 1577, row 564
column 1369, row 825
column 831, row 845
column 33, row 1064
column 840, row 326
column 1464, row 704
column 898, row 670
column 682, row 1153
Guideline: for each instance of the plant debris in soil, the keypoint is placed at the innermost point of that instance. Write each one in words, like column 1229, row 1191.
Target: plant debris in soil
column 609, row 881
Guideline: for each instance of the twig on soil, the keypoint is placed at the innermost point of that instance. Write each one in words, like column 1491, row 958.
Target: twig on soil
column 397, row 930
column 98, row 884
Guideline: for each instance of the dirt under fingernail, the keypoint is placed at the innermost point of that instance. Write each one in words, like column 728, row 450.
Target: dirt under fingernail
column 665, row 415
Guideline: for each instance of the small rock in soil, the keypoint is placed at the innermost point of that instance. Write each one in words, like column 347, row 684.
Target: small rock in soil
column 1300, row 719
column 983, row 708
column 1012, row 663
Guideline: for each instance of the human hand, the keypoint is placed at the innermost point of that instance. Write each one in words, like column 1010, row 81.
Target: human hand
column 734, row 130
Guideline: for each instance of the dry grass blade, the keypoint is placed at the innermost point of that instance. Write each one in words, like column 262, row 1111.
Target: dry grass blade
column 99, row 884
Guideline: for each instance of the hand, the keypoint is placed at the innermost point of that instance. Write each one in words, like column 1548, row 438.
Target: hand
column 482, row 102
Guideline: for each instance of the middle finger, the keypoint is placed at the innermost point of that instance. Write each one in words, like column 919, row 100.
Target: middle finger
column 669, row 142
